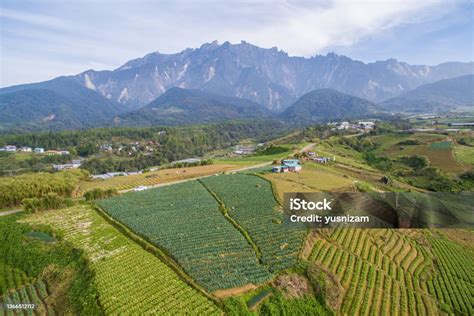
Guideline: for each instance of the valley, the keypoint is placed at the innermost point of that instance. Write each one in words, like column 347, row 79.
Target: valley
column 210, row 239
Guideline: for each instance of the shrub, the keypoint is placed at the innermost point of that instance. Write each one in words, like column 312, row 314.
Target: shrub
column 99, row 193
column 417, row 162
column 409, row 142
column 46, row 202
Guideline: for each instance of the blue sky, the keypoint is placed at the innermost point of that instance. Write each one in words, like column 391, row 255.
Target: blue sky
column 40, row 40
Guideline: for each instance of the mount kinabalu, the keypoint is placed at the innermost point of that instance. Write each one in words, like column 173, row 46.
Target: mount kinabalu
column 266, row 76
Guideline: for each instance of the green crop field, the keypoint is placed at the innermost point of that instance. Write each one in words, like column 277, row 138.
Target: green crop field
column 441, row 145
column 252, row 204
column 185, row 220
column 129, row 279
column 397, row 272
column 11, row 278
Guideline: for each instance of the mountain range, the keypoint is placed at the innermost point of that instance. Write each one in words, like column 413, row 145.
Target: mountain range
column 443, row 95
column 232, row 81
column 267, row 76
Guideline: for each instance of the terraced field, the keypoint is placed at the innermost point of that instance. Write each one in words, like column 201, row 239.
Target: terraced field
column 129, row 279
column 11, row 278
column 397, row 272
column 185, row 220
column 252, row 205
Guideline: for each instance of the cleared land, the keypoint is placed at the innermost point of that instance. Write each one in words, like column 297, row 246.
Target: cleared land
column 311, row 178
column 251, row 204
column 129, row 279
column 152, row 178
column 436, row 148
column 397, row 272
column 185, row 220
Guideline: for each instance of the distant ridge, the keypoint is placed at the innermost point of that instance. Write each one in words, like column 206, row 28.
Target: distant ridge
column 443, row 95
column 179, row 106
column 327, row 104
column 57, row 104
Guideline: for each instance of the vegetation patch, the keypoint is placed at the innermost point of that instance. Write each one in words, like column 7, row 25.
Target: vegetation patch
column 128, row 278
column 253, row 206
column 185, row 221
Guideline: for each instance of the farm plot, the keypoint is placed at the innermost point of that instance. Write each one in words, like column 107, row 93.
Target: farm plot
column 11, row 278
column 129, row 279
column 252, row 205
column 393, row 272
column 312, row 178
column 151, row 178
column 464, row 154
column 185, row 221
column 36, row 294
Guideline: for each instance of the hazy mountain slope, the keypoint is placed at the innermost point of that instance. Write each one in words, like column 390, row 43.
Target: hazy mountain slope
column 266, row 76
column 439, row 96
column 327, row 104
column 60, row 103
column 182, row 106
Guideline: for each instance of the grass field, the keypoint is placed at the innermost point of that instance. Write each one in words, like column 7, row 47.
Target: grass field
column 464, row 154
column 185, row 220
column 312, row 178
column 154, row 177
column 286, row 150
column 396, row 272
column 129, row 279
column 436, row 148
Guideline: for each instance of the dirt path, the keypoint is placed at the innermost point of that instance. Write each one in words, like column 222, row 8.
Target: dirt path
column 200, row 177
column 5, row 213
column 263, row 164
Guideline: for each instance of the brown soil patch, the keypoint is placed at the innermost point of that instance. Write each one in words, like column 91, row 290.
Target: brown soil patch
column 333, row 290
column 234, row 291
column 460, row 236
column 293, row 285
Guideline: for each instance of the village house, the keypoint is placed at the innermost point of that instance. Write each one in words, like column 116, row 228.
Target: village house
column 244, row 150
column 366, row 125
column 288, row 165
column 38, row 150
column 25, row 149
column 10, row 148
column 322, row 160
column 56, row 152
column 106, row 147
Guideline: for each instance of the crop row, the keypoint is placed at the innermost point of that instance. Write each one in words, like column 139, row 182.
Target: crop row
column 28, row 294
column 11, row 278
column 375, row 278
column 251, row 204
column 185, row 220
column 129, row 279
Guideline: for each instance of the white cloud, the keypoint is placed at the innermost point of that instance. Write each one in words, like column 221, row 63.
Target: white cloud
column 62, row 36
column 306, row 31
